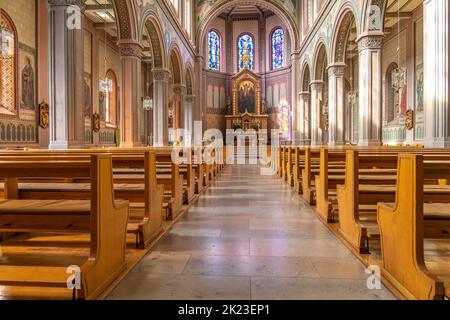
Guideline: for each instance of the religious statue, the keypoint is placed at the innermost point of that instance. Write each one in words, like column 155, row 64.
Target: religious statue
column 96, row 122
column 246, row 97
column 87, row 98
column 228, row 105
column 28, row 85
column 43, row 115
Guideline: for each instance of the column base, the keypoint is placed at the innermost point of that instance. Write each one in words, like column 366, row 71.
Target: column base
column 130, row 144
column 369, row 143
column 336, row 143
column 438, row 143
column 64, row 145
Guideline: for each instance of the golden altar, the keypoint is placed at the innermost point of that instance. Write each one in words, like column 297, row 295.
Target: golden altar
column 246, row 103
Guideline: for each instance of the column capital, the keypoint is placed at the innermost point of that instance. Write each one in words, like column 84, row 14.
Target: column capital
column 317, row 85
column 304, row 94
column 79, row 3
column 336, row 70
column 370, row 41
column 179, row 89
column 130, row 48
column 189, row 98
column 161, row 74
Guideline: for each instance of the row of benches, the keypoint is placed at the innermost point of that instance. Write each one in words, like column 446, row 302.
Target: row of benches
column 104, row 193
column 396, row 196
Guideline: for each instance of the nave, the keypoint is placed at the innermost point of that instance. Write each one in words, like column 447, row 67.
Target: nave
column 249, row 237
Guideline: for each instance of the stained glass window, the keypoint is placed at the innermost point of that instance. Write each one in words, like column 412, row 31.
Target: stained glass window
column 7, row 64
column 246, row 48
column 214, row 51
column 277, row 48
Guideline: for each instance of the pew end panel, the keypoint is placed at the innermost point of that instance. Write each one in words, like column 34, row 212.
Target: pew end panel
column 402, row 235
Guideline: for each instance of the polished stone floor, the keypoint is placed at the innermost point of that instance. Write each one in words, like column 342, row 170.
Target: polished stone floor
column 248, row 237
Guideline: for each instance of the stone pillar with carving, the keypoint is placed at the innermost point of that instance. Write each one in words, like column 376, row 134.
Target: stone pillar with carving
column 436, row 73
column 316, row 114
column 130, row 56
column 160, row 107
column 304, row 117
column 189, row 102
column 336, row 104
column 370, row 89
column 66, row 73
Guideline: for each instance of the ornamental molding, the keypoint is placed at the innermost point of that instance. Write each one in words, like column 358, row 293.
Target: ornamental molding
column 130, row 49
column 336, row 71
column 161, row 74
column 370, row 42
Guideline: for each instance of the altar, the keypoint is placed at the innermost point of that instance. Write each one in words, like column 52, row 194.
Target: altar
column 246, row 110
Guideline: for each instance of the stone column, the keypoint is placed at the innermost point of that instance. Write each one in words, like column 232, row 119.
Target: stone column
column 66, row 74
column 436, row 73
column 304, row 118
column 370, row 89
column 315, row 115
column 199, row 112
column 336, row 104
column 179, row 92
column 189, row 102
column 295, row 81
column 130, row 56
column 160, row 107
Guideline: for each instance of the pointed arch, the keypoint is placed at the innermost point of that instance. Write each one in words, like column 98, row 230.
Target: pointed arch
column 126, row 18
column 306, row 78
column 320, row 61
column 152, row 27
column 189, row 81
column 344, row 21
column 176, row 65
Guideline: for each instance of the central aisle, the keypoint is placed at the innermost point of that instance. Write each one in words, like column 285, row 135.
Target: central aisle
column 248, row 237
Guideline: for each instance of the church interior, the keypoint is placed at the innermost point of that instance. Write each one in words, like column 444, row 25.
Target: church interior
column 224, row 150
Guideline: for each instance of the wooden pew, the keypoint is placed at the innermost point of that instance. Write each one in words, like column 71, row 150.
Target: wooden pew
column 357, row 223
column 415, row 258
column 142, row 190
column 357, row 199
column 325, row 188
column 101, row 216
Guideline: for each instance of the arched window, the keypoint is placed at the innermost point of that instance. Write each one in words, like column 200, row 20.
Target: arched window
column 246, row 48
column 111, row 99
column 277, row 48
column 8, row 43
column 214, row 50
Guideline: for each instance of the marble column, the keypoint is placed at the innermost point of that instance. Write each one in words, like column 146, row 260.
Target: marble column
column 436, row 73
column 160, row 107
column 295, row 82
column 199, row 112
column 336, row 104
column 315, row 115
column 304, row 117
column 179, row 92
column 130, row 56
column 66, row 74
column 189, row 102
column 370, row 89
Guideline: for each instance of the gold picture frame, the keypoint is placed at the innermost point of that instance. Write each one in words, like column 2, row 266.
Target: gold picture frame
column 44, row 116
column 96, row 123
column 409, row 121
